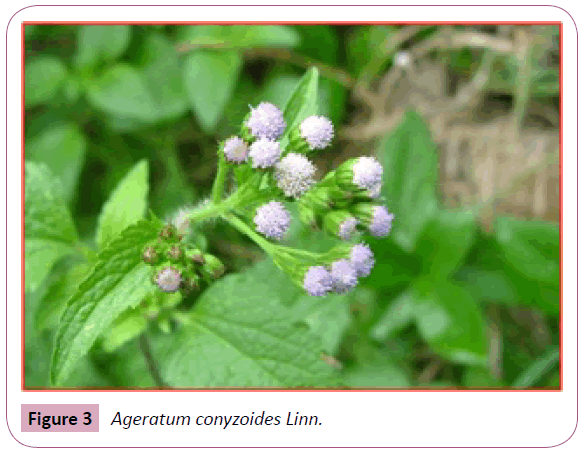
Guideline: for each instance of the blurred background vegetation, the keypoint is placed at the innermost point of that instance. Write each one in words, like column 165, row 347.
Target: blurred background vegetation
column 464, row 118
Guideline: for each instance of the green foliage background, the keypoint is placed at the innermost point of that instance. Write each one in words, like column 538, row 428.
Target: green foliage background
column 120, row 119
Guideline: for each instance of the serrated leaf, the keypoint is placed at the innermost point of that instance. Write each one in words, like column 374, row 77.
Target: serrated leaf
column 119, row 280
column 42, row 77
column 531, row 247
column 242, row 335
column 95, row 42
column 450, row 321
column 127, row 326
column 122, row 92
column 48, row 227
column 444, row 242
column 209, row 79
column 127, row 204
column 410, row 177
column 62, row 147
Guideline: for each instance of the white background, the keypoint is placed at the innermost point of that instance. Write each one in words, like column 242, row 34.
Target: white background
column 453, row 419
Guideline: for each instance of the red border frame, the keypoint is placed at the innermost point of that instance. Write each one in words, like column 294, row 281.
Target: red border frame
column 257, row 389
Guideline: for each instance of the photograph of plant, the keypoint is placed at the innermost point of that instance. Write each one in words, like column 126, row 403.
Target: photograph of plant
column 292, row 206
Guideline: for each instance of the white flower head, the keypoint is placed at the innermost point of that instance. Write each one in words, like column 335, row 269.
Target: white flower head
column 264, row 153
column 317, row 131
column 294, row 174
column 266, row 120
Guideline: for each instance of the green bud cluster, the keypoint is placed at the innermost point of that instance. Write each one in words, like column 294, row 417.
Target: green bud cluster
column 179, row 266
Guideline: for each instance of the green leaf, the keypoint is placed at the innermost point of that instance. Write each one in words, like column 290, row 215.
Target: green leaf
column 101, row 42
column 119, row 280
column 444, row 242
column 302, row 103
column 162, row 72
column 373, row 368
column 42, row 77
column 241, row 334
column 48, row 226
column 538, row 369
column 62, row 285
column 127, row 204
column 531, row 247
column 450, row 321
column 62, row 147
column 209, row 79
column 410, row 178
column 396, row 317
column 241, row 36
column 476, row 376
column 127, row 326
column 122, row 92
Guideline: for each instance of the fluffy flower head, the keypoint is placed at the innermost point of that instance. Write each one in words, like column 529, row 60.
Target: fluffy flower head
column 347, row 228
column 381, row 221
column 317, row 131
column 264, row 153
column 318, row 281
column 235, row 150
column 272, row 220
column 294, row 174
column 266, row 120
column 344, row 276
column 169, row 279
column 362, row 259
column 367, row 174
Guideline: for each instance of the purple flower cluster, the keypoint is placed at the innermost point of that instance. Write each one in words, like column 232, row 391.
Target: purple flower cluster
column 317, row 132
column 343, row 274
column 381, row 221
column 347, row 228
column 235, row 150
column 294, row 174
column 169, row 279
column 264, row 153
column 266, row 121
column 367, row 174
column 272, row 220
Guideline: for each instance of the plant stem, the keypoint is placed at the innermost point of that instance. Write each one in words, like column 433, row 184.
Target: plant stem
column 150, row 362
column 243, row 227
column 219, row 183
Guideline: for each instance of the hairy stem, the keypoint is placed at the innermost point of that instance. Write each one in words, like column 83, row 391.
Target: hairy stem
column 219, row 183
column 240, row 225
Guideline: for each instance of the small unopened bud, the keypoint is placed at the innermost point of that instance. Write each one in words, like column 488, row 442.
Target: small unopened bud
column 340, row 223
column 190, row 285
column 150, row 255
column 175, row 252
column 169, row 279
column 168, row 232
column 213, row 266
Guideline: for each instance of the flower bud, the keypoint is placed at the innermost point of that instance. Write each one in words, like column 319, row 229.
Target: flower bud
column 317, row 281
column 175, row 252
column 266, row 120
column 314, row 133
column 235, row 149
column 363, row 173
column 375, row 217
column 272, row 220
column 168, row 232
column 340, row 223
column 362, row 259
column 344, row 276
column 195, row 255
column 191, row 284
column 264, row 153
column 213, row 266
column 169, row 279
column 294, row 174
column 150, row 255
